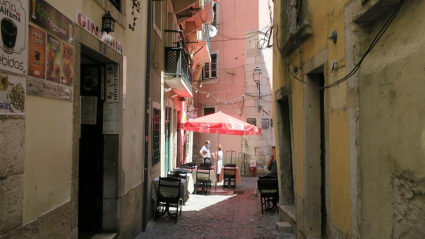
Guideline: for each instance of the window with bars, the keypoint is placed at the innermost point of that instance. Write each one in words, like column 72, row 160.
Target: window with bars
column 116, row 3
column 210, row 69
column 156, row 137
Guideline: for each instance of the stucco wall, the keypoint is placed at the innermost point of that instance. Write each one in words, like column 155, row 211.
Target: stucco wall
column 48, row 146
column 392, row 129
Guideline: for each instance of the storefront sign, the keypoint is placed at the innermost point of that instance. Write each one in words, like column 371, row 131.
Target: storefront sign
column 13, row 47
column 88, row 110
column 12, row 95
column 112, row 83
column 110, row 118
column 48, row 89
column 48, row 17
column 37, row 52
column 88, row 25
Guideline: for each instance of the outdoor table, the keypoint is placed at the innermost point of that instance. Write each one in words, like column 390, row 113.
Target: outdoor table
column 183, row 189
column 238, row 174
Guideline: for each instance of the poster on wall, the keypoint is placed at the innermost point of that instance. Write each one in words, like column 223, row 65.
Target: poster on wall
column 88, row 110
column 112, row 83
column 12, row 95
column 37, row 53
column 53, row 59
column 13, row 45
column 48, row 17
column 67, row 68
column 90, row 80
column 110, row 118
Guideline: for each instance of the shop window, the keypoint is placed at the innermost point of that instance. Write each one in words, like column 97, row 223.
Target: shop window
column 209, row 110
column 156, row 137
column 211, row 69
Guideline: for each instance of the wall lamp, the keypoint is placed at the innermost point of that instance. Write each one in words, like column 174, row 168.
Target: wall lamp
column 256, row 74
column 108, row 23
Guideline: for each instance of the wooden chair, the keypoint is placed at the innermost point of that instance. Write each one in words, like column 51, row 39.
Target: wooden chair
column 205, row 165
column 268, row 188
column 229, row 177
column 169, row 195
column 203, row 180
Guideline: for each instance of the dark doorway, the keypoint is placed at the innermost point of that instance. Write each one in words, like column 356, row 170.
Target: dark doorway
column 98, row 149
column 91, row 149
column 285, row 151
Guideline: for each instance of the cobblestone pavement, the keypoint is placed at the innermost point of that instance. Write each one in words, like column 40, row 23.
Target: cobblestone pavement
column 213, row 216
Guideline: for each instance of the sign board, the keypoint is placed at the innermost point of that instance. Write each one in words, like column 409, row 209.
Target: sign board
column 112, row 83
column 48, row 17
column 88, row 110
column 91, row 27
column 12, row 95
column 110, row 118
column 13, row 45
column 265, row 123
column 252, row 121
column 49, row 89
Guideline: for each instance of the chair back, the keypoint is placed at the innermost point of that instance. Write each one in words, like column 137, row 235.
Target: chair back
column 267, row 185
column 230, row 165
column 203, row 173
column 169, row 189
column 205, row 165
column 229, row 172
column 179, row 173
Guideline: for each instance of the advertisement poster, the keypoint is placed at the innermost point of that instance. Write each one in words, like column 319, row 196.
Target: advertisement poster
column 112, row 83
column 37, row 53
column 110, row 118
column 12, row 95
column 88, row 110
column 13, row 45
column 90, row 80
column 53, row 59
column 67, row 69
column 46, row 16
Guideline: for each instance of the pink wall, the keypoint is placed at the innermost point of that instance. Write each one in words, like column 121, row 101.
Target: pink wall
column 235, row 18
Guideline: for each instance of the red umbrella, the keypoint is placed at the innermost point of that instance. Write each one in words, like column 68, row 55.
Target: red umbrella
column 222, row 124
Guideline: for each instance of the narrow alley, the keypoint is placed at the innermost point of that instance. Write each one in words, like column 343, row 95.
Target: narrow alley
column 219, row 216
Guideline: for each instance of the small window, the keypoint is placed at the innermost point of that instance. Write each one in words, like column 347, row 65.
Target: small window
column 216, row 20
column 157, row 17
column 116, row 3
column 208, row 111
column 210, row 69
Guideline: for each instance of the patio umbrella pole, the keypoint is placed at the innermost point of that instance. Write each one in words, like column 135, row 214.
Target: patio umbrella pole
column 216, row 160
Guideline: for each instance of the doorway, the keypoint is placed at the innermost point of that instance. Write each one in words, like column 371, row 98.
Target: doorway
column 285, row 150
column 98, row 151
column 316, row 165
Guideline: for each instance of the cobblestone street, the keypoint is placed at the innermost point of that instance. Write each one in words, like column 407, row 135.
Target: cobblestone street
column 213, row 216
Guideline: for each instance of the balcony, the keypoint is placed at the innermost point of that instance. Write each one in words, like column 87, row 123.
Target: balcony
column 178, row 75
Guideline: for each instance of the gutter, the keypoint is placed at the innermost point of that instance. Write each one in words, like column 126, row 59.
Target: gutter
column 146, row 119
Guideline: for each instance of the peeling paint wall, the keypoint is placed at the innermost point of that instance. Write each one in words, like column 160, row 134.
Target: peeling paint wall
column 391, row 117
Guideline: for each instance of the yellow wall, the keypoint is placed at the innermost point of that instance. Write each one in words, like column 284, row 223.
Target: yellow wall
column 48, row 151
column 325, row 17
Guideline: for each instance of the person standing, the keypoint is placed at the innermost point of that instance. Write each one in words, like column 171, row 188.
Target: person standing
column 205, row 152
column 271, row 164
column 219, row 157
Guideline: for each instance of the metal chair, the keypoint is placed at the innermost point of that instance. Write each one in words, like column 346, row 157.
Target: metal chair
column 203, row 179
column 229, row 177
column 169, row 195
column 268, row 188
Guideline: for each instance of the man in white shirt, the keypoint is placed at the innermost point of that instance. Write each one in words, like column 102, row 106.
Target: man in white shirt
column 205, row 152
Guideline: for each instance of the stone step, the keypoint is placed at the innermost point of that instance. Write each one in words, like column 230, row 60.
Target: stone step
column 221, row 192
column 283, row 227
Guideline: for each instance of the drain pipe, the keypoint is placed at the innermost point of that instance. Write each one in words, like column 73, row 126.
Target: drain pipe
column 146, row 118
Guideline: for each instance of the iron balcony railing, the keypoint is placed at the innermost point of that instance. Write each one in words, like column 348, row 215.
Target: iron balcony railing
column 177, row 61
